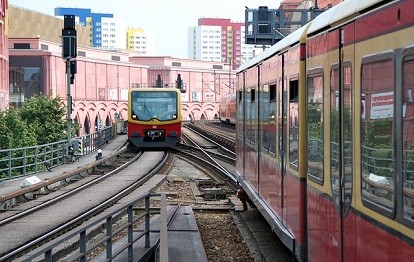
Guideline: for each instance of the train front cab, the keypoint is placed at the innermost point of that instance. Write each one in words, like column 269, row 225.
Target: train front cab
column 153, row 133
column 360, row 138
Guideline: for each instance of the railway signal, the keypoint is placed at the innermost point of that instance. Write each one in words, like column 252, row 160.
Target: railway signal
column 69, row 53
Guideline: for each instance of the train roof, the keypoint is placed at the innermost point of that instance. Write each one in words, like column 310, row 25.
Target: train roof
column 339, row 12
column 147, row 89
column 287, row 41
column 324, row 20
column 228, row 97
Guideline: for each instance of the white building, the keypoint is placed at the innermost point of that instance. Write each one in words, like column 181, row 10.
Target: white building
column 113, row 35
column 141, row 41
column 220, row 40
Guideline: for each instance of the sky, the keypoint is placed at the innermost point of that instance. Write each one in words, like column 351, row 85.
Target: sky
column 168, row 20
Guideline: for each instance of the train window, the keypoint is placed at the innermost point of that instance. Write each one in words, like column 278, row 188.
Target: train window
column 377, row 158
column 253, row 117
column 408, row 138
column 248, row 122
column 341, row 134
column 272, row 93
column 347, row 135
column 294, row 124
column 272, row 118
column 315, row 125
column 240, row 116
column 158, row 105
column 264, row 117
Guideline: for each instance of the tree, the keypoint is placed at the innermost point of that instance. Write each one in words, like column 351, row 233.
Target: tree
column 45, row 117
column 14, row 132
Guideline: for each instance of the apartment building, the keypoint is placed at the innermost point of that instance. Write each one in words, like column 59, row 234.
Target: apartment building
column 106, row 31
column 220, row 40
column 141, row 41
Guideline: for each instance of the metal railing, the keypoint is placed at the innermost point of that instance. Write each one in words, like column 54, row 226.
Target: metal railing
column 111, row 229
column 20, row 162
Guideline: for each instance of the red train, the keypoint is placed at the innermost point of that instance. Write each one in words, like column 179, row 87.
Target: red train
column 325, row 134
column 227, row 109
column 154, row 117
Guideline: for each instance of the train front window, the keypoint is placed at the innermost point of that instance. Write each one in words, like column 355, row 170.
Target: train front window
column 150, row 105
column 377, row 117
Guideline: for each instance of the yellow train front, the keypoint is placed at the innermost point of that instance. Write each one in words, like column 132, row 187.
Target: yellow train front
column 154, row 117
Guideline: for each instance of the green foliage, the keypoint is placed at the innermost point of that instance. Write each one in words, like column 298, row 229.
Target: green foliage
column 45, row 117
column 14, row 132
column 40, row 121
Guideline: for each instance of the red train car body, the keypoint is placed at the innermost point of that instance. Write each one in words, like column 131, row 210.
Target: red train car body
column 227, row 109
column 325, row 134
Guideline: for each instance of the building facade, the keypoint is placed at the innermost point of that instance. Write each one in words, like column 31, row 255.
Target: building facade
column 33, row 65
column 140, row 41
column 94, row 22
column 205, row 82
column 101, row 83
column 220, row 40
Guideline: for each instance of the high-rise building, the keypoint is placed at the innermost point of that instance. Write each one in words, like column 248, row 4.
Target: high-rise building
column 219, row 39
column 140, row 41
column 106, row 31
column 113, row 33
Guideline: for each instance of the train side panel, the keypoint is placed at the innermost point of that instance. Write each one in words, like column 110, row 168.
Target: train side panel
column 271, row 172
column 324, row 235
column 385, row 50
column 251, row 125
column 356, row 220
column 331, row 169
column 240, row 126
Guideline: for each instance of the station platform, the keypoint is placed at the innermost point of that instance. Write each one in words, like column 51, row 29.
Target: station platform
column 12, row 185
column 182, row 238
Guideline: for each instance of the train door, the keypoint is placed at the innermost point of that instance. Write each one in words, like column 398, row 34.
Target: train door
column 341, row 127
column 240, row 125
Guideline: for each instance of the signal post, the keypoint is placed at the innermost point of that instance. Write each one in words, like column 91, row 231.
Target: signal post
column 69, row 53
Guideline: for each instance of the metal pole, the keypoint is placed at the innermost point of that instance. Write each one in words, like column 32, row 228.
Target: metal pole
column 229, row 77
column 69, row 105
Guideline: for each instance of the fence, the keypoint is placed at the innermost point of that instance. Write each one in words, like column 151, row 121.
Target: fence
column 20, row 162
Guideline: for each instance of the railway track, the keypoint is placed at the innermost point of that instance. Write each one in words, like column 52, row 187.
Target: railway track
column 220, row 135
column 208, row 195
column 69, row 207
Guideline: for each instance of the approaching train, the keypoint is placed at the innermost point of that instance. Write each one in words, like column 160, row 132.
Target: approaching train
column 227, row 109
column 154, row 117
column 325, row 134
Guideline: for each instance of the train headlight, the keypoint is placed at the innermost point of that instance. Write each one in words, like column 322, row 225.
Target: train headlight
column 173, row 133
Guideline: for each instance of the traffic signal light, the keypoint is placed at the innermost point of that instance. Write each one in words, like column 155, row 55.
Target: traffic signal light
column 69, row 46
column 69, row 49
